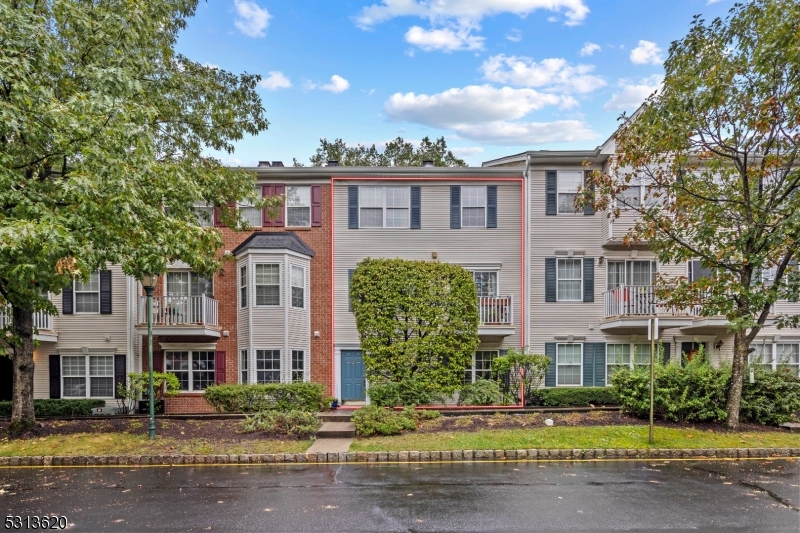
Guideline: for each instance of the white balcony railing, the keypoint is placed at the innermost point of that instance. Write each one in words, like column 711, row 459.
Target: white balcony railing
column 181, row 311
column 495, row 310
column 640, row 300
column 41, row 320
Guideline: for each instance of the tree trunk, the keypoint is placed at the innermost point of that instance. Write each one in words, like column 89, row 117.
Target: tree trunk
column 22, row 415
column 740, row 350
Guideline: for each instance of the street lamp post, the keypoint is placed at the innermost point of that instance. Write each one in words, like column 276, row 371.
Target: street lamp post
column 149, row 283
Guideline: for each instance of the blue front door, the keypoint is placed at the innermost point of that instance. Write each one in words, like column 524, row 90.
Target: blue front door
column 352, row 375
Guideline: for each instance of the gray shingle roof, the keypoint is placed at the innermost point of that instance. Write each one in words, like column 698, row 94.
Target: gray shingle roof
column 282, row 240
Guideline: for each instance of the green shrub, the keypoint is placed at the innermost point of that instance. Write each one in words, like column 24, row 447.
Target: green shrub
column 373, row 420
column 774, row 398
column 165, row 384
column 409, row 391
column 577, row 397
column 57, row 407
column 516, row 369
column 267, row 397
column 482, row 392
column 293, row 423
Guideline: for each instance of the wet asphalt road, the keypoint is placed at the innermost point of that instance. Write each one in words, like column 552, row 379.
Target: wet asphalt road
column 509, row 496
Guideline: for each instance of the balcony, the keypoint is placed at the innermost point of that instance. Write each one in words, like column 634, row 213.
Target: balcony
column 41, row 321
column 628, row 308
column 181, row 315
column 495, row 316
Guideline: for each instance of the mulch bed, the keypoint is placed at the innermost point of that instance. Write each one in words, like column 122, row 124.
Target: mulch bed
column 592, row 418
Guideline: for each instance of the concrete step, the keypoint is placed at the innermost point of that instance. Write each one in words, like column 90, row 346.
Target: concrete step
column 335, row 416
column 337, row 430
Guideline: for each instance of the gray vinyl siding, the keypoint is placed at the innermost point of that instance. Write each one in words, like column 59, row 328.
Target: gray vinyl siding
column 466, row 246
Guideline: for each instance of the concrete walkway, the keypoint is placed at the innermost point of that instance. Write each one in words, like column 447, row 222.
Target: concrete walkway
column 336, row 434
column 330, row 446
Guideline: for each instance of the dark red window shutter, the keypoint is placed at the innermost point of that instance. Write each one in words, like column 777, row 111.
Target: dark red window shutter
column 266, row 192
column 279, row 222
column 316, row 205
column 158, row 360
column 219, row 367
column 217, row 220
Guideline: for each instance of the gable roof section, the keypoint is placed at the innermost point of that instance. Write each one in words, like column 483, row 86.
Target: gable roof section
column 278, row 240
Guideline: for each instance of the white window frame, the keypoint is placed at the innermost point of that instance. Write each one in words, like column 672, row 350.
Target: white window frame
column 256, row 285
column 75, row 293
column 244, row 363
column 292, row 369
column 642, row 191
column 87, row 376
column 563, row 190
column 384, row 207
column 496, row 280
column 559, row 365
column 292, row 286
column 200, row 220
column 191, row 370
column 558, row 279
column 627, row 271
column 472, row 371
column 772, row 348
column 247, row 210
column 280, row 369
column 243, row 284
column 192, row 275
column 632, row 353
column 464, row 189
column 299, row 206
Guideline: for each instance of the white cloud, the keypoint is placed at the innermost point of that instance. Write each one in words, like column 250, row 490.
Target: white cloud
column 210, row 65
column 467, row 151
column 553, row 74
column 712, row 2
column 337, row 85
column 447, row 39
column 632, row 94
column 589, row 49
column 473, row 11
column 514, row 35
column 251, row 20
column 527, row 133
column 646, row 53
column 275, row 80
column 474, row 104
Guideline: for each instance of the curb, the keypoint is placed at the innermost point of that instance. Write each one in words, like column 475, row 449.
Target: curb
column 401, row 457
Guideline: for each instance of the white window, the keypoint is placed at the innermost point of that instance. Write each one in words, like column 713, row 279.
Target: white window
column 570, row 280
column 87, row 295
column 773, row 356
column 631, row 273
column 205, row 216
column 250, row 214
column 768, row 275
column 473, row 207
column 186, row 284
column 298, row 287
column 243, row 362
column 97, row 369
column 268, row 284
column 194, row 369
column 630, row 198
column 696, row 271
column 384, row 207
column 486, row 283
column 481, row 366
column 641, row 355
column 569, row 359
column 298, row 206
column 268, row 366
column 298, row 366
column 788, row 355
column 243, row 286
column 617, row 356
column 761, row 356
column 568, row 184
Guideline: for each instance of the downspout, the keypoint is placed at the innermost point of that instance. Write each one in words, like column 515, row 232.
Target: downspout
column 131, row 310
column 527, row 259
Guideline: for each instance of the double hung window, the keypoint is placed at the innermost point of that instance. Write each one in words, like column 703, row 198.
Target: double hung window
column 205, row 216
column 617, row 356
column 96, row 371
column 87, row 295
column 298, row 206
column 298, row 366
column 268, row 284
column 631, row 273
column 250, row 214
column 773, row 356
column 569, row 280
column 268, row 366
column 194, row 369
column 243, row 286
column 486, row 283
column 384, row 207
column 481, row 366
column 568, row 184
column 298, row 287
column 243, row 364
column 569, row 359
column 473, row 207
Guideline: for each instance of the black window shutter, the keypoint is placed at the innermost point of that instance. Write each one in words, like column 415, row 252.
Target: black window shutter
column 67, row 304
column 416, row 207
column 349, row 279
column 588, row 364
column 105, row 292
column 666, row 347
column 588, row 279
column 120, row 371
column 550, row 375
column 352, row 206
column 455, row 207
column 55, row 376
column 550, row 279
column 491, row 206
column 588, row 209
column 551, row 193
column 599, row 364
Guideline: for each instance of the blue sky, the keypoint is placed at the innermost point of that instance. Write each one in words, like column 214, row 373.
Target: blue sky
column 494, row 77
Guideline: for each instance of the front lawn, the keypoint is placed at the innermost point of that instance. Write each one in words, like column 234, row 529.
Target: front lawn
column 584, row 437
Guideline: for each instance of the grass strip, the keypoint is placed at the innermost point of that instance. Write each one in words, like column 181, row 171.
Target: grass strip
column 591, row 437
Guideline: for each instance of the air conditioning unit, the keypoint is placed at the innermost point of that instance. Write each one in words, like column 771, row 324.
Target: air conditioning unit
column 105, row 410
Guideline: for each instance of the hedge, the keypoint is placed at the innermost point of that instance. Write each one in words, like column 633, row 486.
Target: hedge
column 282, row 397
column 57, row 407
column 578, row 397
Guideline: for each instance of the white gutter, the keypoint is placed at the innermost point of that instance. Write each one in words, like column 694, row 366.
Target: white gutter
column 526, row 304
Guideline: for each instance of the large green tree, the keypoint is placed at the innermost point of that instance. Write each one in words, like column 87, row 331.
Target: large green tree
column 103, row 130
column 418, row 320
column 398, row 153
column 717, row 147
